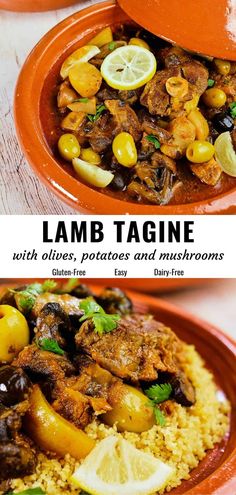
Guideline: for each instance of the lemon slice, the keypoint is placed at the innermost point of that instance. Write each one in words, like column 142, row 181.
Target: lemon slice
column 129, row 67
column 115, row 467
column 225, row 154
column 83, row 54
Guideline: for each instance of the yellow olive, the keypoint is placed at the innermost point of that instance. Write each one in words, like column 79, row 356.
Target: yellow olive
column 223, row 66
column 90, row 156
column 14, row 332
column 130, row 410
column 200, row 124
column 200, row 152
column 177, row 86
column 69, row 147
column 214, row 98
column 139, row 42
column 124, row 149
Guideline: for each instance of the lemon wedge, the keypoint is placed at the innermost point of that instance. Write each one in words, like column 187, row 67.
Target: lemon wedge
column 129, row 67
column 225, row 154
column 115, row 467
column 83, row 54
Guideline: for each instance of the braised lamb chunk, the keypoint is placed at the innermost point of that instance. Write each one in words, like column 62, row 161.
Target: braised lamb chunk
column 155, row 96
column 171, row 56
column 51, row 323
column 81, row 291
column 81, row 397
column 100, row 133
column 137, row 350
column 44, row 364
column 69, row 304
column 125, row 118
column 114, row 300
column 208, row 173
column 197, row 75
column 141, row 192
column 150, row 125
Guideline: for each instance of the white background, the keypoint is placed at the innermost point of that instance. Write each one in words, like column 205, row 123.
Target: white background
column 211, row 234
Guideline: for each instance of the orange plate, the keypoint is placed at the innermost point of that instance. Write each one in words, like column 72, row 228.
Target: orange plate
column 35, row 5
column 204, row 27
column 216, row 474
column 75, row 31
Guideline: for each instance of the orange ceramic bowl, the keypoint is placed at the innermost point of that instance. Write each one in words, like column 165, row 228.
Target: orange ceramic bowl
column 35, row 5
column 75, row 31
column 216, row 474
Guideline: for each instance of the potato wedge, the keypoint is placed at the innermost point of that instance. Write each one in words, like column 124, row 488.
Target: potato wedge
column 92, row 174
column 52, row 432
column 83, row 54
column 105, row 36
column 73, row 121
column 88, row 107
column 86, row 79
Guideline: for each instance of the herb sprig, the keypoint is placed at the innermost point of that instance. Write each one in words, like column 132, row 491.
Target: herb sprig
column 100, row 110
column 152, row 139
column 26, row 298
column 157, row 394
column 50, row 345
column 102, row 321
column 210, row 83
column 29, row 491
column 232, row 107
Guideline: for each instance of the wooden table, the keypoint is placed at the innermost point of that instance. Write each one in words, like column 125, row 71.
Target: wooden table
column 21, row 192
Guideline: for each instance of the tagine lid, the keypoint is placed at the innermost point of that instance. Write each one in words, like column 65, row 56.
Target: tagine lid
column 208, row 28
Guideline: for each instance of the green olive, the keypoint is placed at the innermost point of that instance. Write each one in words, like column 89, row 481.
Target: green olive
column 200, row 152
column 125, row 150
column 68, row 147
column 130, row 410
column 214, row 98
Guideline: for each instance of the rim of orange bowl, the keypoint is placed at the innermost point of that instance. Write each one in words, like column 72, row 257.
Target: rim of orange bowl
column 30, row 134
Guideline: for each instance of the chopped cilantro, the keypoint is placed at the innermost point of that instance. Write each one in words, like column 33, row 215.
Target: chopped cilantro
column 159, row 416
column 29, row 491
column 102, row 321
column 159, row 393
column 81, row 100
column 232, row 107
column 26, row 298
column 112, row 45
column 100, row 110
column 152, row 139
column 69, row 286
column 211, row 83
column 50, row 345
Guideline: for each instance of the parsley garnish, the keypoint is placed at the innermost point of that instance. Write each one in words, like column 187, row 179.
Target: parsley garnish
column 69, row 286
column 112, row 45
column 157, row 394
column 29, row 491
column 232, row 107
column 26, row 298
column 152, row 139
column 100, row 110
column 103, row 322
column 50, row 345
column 211, row 83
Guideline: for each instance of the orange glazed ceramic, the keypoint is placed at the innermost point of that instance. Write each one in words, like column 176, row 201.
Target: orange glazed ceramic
column 204, row 27
column 34, row 5
column 216, row 474
column 49, row 53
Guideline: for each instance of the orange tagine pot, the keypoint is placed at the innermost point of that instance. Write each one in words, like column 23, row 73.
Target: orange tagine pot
column 35, row 5
column 33, row 107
